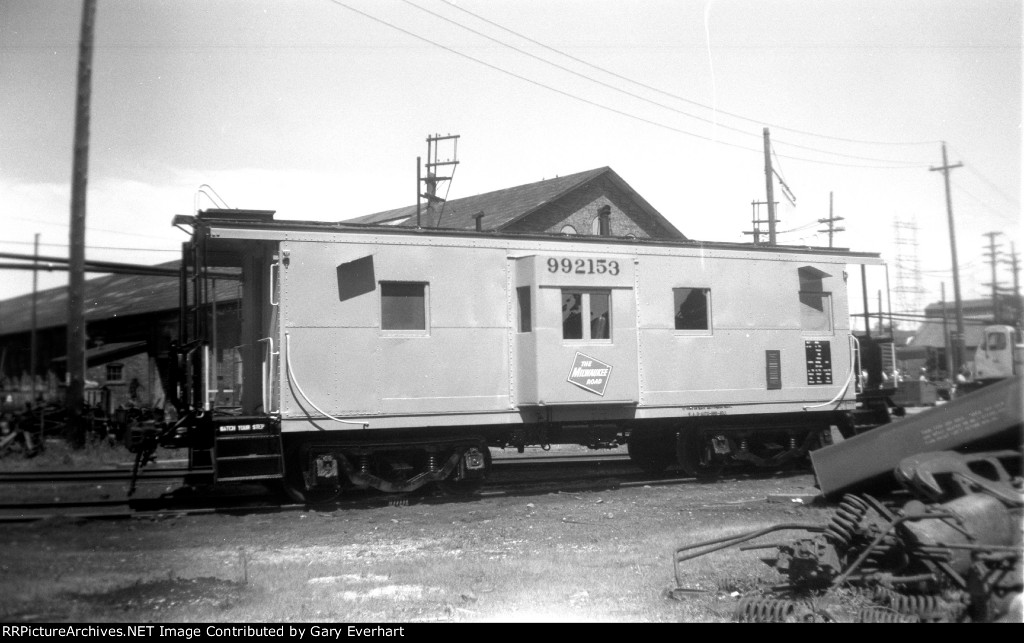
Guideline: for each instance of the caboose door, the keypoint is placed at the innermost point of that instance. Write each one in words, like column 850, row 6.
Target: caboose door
column 575, row 339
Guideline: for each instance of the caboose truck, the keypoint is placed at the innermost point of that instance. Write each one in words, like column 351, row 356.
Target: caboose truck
column 387, row 357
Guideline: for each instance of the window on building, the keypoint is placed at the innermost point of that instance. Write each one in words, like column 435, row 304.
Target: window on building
column 592, row 306
column 115, row 373
column 525, row 320
column 691, row 308
column 403, row 306
column 568, row 229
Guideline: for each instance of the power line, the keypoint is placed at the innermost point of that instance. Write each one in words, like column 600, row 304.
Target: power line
column 633, row 95
column 88, row 228
column 64, row 245
column 599, row 105
column 676, row 96
column 1002, row 215
column 992, row 185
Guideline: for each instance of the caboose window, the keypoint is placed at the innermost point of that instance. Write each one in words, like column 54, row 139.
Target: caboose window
column 816, row 312
column 593, row 306
column 691, row 308
column 523, row 296
column 403, row 306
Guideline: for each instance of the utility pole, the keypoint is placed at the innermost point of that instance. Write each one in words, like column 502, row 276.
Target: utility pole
column 769, row 186
column 958, row 345
column 756, row 222
column 993, row 257
column 946, row 343
column 1015, row 267
column 432, row 179
column 33, row 341
column 76, row 266
column 831, row 222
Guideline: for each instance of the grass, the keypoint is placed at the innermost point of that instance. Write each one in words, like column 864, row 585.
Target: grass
column 597, row 556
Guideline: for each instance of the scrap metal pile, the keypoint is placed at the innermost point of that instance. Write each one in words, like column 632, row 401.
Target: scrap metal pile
column 946, row 545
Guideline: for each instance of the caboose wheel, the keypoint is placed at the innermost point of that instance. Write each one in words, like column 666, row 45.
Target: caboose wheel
column 467, row 486
column 293, row 484
column 695, row 455
column 296, row 491
column 652, row 454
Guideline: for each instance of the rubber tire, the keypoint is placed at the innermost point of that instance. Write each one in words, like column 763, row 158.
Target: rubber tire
column 694, row 457
column 651, row 454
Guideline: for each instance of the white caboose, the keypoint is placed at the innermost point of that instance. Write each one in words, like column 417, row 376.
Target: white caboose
column 391, row 357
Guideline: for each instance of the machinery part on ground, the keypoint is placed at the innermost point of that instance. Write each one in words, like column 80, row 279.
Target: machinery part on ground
column 954, row 561
column 755, row 609
column 986, row 419
column 942, row 475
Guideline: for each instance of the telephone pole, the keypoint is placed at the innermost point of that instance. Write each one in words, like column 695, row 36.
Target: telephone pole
column 958, row 345
column 993, row 257
column 769, row 185
column 432, row 179
column 831, row 222
column 1015, row 267
column 76, row 266
column 33, row 340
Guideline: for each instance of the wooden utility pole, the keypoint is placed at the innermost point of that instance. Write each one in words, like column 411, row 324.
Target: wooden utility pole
column 769, row 186
column 993, row 257
column 76, row 271
column 1015, row 266
column 831, row 220
column 958, row 345
column 946, row 343
column 33, row 341
column 432, row 179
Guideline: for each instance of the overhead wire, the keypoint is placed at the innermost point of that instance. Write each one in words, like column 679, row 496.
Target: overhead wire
column 682, row 98
column 599, row 105
column 642, row 98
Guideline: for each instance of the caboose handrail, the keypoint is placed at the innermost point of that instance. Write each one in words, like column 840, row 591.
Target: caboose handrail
column 271, row 284
column 267, row 371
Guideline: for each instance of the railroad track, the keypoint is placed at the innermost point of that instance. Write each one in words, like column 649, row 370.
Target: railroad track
column 509, row 477
column 165, row 473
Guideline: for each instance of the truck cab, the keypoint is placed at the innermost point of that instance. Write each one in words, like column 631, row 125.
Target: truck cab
column 999, row 355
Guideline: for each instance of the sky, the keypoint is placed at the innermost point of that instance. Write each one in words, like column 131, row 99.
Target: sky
column 318, row 109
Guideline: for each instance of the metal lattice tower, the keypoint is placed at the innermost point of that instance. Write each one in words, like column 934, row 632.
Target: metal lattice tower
column 908, row 289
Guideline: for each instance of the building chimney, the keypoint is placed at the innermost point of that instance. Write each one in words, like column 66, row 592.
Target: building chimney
column 479, row 217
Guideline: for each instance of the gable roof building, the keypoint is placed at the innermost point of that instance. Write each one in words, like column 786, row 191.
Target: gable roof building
column 570, row 204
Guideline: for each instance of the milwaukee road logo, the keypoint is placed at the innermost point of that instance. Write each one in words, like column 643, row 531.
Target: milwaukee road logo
column 590, row 374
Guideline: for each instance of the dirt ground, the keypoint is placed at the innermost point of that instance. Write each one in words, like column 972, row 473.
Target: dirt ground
column 599, row 553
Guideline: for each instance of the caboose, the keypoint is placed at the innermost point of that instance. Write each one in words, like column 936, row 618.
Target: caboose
column 386, row 357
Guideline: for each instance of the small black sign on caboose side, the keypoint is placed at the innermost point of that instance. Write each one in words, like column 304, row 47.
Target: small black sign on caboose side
column 819, row 362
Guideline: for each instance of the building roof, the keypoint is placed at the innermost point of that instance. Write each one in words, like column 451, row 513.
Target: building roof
column 977, row 315
column 108, row 353
column 105, row 298
column 502, row 208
